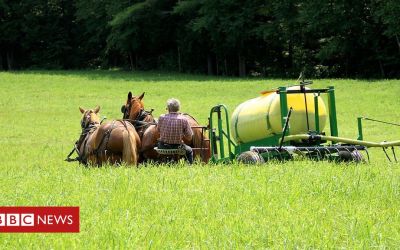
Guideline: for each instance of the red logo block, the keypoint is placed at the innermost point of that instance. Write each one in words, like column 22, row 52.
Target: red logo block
column 39, row 220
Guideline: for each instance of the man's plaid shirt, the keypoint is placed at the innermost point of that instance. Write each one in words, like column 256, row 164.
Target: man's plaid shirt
column 173, row 127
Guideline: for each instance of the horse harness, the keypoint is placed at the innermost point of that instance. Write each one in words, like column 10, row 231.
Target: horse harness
column 139, row 123
column 84, row 137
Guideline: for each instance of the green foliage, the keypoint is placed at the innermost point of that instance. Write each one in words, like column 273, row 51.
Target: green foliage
column 389, row 12
column 92, row 16
column 357, row 38
column 125, row 26
column 38, row 33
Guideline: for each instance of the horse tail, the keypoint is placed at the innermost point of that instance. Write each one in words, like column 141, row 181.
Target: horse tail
column 129, row 151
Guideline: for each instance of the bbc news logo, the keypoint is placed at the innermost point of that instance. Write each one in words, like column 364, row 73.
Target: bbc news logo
column 16, row 220
column 39, row 219
column 28, row 220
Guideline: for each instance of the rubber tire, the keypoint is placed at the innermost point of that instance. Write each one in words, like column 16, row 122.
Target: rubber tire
column 250, row 157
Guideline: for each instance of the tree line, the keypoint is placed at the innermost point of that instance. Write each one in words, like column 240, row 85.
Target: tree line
column 323, row 38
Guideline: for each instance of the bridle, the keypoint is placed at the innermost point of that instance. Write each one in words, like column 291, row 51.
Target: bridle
column 85, row 122
column 126, row 110
column 87, row 127
column 138, row 122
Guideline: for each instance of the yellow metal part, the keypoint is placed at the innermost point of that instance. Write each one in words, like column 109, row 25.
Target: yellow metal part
column 344, row 140
column 260, row 117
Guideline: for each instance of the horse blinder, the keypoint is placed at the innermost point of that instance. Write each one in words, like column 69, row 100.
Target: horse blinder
column 125, row 111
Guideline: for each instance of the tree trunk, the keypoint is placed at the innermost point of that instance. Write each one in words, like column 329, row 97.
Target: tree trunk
column 10, row 60
column 225, row 66
column 398, row 42
column 290, row 65
column 209, row 65
column 131, row 60
column 216, row 61
column 179, row 60
column 381, row 67
column 115, row 60
column 242, row 66
column 1, row 62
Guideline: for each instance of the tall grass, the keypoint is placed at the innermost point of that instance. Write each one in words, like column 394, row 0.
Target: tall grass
column 281, row 205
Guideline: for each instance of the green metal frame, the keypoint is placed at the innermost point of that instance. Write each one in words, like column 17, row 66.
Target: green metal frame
column 360, row 130
column 218, row 137
column 272, row 140
column 284, row 106
column 283, row 92
column 316, row 118
column 332, row 111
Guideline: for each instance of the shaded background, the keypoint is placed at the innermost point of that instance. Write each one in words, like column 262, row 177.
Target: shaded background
column 324, row 38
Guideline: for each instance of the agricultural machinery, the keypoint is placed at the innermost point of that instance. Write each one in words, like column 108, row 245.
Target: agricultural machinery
column 286, row 123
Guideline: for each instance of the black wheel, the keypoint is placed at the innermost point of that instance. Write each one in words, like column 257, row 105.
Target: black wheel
column 250, row 157
column 347, row 156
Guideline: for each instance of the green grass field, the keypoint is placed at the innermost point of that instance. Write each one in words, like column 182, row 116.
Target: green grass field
column 300, row 204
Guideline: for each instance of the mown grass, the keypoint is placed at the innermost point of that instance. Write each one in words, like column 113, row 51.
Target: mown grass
column 279, row 205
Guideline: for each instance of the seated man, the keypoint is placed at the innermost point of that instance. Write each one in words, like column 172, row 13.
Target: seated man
column 174, row 128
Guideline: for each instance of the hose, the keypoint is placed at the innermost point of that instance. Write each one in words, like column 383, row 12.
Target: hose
column 341, row 139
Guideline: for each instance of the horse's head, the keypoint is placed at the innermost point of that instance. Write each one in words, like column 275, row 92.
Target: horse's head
column 133, row 107
column 89, row 117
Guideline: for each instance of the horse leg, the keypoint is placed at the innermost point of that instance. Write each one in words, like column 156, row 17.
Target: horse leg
column 149, row 141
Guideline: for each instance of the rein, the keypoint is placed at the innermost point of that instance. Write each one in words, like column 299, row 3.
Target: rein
column 139, row 124
column 143, row 114
column 139, row 121
column 190, row 116
column 82, row 139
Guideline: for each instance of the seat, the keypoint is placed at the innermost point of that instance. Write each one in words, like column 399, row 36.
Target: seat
column 170, row 155
column 177, row 151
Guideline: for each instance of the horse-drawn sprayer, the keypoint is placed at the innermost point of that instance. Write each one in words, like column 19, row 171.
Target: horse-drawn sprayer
column 282, row 124
column 288, row 123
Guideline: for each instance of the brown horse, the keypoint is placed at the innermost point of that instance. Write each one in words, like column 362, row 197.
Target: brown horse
column 144, row 122
column 114, row 142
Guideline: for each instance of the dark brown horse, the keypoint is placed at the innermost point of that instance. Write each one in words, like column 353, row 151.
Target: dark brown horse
column 112, row 142
column 145, row 123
